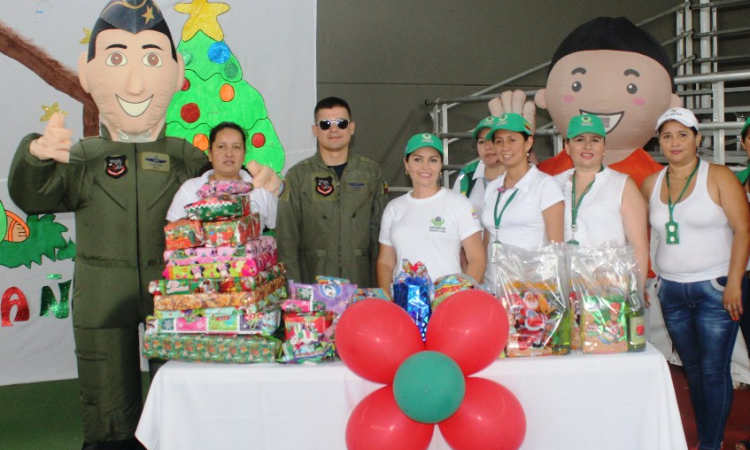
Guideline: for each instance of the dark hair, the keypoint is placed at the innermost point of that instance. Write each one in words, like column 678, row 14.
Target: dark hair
column 406, row 158
column 693, row 129
column 223, row 125
column 332, row 102
column 618, row 34
column 103, row 25
column 744, row 133
column 525, row 135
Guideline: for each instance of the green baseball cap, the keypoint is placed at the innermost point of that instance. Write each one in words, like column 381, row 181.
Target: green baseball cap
column 423, row 140
column 487, row 122
column 510, row 122
column 585, row 123
column 745, row 127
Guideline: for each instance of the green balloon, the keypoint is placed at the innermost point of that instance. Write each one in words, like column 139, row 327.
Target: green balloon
column 429, row 387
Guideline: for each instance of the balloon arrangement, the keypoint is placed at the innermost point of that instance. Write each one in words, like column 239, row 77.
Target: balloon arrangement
column 428, row 382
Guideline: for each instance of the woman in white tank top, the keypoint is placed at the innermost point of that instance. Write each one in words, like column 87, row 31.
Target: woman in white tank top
column 700, row 220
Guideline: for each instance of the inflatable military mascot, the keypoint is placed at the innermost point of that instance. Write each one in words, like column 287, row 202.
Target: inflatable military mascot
column 120, row 185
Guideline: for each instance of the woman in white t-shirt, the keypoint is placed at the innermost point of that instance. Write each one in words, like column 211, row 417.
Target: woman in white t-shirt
column 602, row 206
column 522, row 207
column 226, row 154
column 428, row 224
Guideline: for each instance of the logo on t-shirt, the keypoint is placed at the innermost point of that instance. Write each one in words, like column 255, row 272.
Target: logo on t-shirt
column 437, row 225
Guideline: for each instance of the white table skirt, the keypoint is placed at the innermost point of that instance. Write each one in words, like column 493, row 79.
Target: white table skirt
column 576, row 402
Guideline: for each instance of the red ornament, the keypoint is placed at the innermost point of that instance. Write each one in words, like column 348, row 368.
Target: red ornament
column 190, row 112
column 258, row 140
column 186, row 85
column 14, row 297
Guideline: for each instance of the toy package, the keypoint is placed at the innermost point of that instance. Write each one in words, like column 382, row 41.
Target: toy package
column 232, row 233
column 307, row 338
column 224, row 187
column 413, row 290
column 448, row 285
column 183, row 233
column 219, row 207
column 605, row 292
column 366, row 293
column 533, row 287
column 334, row 297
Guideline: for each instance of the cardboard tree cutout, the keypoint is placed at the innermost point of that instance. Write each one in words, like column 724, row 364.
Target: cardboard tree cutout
column 611, row 68
column 214, row 90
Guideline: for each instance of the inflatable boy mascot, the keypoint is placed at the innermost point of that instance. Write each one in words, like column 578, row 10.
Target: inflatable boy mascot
column 120, row 185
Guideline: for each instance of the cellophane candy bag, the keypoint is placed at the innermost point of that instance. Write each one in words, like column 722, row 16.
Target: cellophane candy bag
column 532, row 286
column 606, row 292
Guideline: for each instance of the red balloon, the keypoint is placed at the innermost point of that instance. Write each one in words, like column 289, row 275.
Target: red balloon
column 377, row 423
column 490, row 418
column 471, row 327
column 373, row 338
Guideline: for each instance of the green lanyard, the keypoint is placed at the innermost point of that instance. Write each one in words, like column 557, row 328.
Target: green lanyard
column 575, row 205
column 499, row 218
column 672, row 227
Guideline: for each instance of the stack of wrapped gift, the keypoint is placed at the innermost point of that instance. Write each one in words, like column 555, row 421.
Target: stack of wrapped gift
column 223, row 287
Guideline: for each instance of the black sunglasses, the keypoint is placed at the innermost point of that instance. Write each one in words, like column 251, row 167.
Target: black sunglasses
column 343, row 124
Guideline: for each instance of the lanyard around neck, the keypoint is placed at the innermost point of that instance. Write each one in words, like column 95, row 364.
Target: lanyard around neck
column 499, row 218
column 670, row 204
column 574, row 205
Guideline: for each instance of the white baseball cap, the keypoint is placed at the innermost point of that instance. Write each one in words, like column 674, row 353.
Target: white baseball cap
column 682, row 115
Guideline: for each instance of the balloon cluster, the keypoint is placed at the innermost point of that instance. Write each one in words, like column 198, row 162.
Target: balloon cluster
column 428, row 382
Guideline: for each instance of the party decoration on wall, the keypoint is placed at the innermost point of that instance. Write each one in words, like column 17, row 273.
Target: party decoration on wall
column 50, row 305
column 40, row 236
column 13, row 297
column 428, row 382
column 214, row 90
column 49, row 110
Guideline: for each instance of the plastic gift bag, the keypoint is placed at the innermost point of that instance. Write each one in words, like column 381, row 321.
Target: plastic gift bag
column 413, row 291
column 533, row 287
column 606, row 293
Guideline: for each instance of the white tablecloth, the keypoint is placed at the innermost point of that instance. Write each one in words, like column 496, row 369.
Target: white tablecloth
column 576, row 402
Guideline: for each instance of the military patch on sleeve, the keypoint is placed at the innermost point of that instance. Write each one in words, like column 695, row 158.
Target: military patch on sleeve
column 155, row 161
column 356, row 187
column 324, row 186
column 116, row 166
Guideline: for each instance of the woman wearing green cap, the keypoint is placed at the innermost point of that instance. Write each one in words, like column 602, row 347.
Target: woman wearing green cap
column 473, row 178
column 522, row 207
column 602, row 206
column 429, row 224
column 744, row 177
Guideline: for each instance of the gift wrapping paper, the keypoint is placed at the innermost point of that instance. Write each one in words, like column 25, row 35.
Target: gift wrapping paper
column 219, row 207
column 230, row 269
column 184, row 233
column 232, row 233
column 231, row 320
column 256, row 299
column 215, row 285
column 205, row 255
column 213, row 348
column 224, row 187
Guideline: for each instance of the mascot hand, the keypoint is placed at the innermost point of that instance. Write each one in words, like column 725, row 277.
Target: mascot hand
column 55, row 142
column 514, row 102
column 264, row 177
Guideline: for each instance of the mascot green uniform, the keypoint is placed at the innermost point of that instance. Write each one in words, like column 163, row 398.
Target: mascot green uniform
column 120, row 186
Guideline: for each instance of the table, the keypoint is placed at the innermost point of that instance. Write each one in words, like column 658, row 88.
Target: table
column 624, row 401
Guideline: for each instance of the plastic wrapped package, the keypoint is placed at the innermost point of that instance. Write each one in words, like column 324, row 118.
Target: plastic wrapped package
column 604, row 285
column 413, row 291
column 533, row 287
column 448, row 285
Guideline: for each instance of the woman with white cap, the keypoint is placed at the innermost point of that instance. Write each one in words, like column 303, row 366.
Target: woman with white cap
column 700, row 221
column 523, row 207
column 602, row 206
column 429, row 224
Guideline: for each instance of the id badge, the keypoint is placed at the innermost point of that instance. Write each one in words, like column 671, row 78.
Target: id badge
column 497, row 251
column 673, row 232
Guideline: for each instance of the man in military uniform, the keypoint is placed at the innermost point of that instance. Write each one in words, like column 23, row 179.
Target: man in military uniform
column 330, row 209
column 120, row 186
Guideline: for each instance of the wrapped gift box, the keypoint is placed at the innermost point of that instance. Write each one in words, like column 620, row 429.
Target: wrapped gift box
column 232, row 233
column 257, row 299
column 219, row 207
column 203, row 255
column 218, row 321
column 183, row 234
column 231, row 269
column 214, row 348
column 215, row 285
column 224, row 187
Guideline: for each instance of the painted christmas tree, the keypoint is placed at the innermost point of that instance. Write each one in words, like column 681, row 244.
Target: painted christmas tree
column 215, row 91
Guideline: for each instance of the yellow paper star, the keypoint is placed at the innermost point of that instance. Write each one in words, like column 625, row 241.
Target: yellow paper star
column 49, row 110
column 203, row 17
column 86, row 36
column 149, row 14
